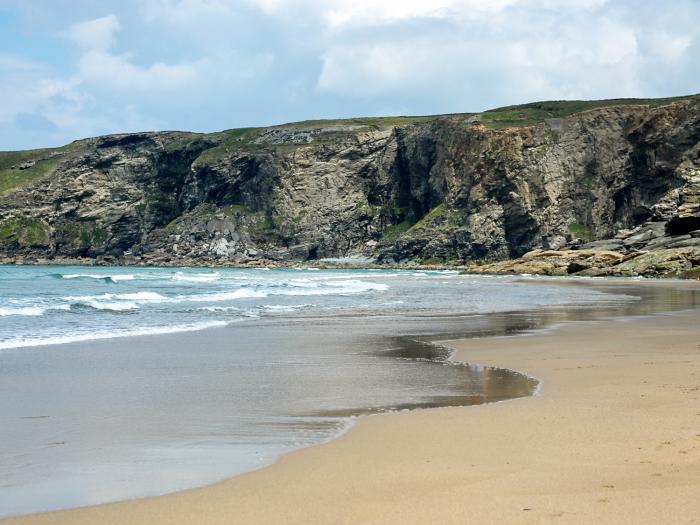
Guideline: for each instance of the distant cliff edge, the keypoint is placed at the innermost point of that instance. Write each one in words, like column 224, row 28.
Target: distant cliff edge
column 585, row 188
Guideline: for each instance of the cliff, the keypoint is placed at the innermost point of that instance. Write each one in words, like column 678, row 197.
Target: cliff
column 592, row 188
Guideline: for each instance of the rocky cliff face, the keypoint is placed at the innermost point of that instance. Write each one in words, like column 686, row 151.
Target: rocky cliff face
column 452, row 189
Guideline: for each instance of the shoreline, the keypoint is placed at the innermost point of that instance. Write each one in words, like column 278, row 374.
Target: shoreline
column 321, row 264
column 364, row 460
column 465, row 268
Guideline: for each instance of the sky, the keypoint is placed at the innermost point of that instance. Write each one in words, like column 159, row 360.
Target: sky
column 70, row 69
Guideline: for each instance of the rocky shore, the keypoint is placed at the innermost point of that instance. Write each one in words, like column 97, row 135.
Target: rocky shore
column 605, row 188
column 645, row 251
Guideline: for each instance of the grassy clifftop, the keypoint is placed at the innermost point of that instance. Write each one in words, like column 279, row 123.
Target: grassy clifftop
column 536, row 112
column 19, row 168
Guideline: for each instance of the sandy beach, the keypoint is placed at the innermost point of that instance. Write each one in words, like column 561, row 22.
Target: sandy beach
column 612, row 437
column 285, row 262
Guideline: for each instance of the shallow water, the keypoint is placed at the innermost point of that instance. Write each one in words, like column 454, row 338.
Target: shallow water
column 294, row 356
column 42, row 305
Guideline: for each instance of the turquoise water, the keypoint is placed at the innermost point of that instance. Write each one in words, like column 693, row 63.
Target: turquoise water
column 124, row 382
column 49, row 305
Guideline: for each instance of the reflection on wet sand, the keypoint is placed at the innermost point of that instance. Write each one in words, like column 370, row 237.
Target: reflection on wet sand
column 474, row 384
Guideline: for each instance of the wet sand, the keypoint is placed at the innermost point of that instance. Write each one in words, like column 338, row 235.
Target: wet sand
column 613, row 437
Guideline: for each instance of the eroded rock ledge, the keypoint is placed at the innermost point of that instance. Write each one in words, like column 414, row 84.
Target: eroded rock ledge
column 612, row 190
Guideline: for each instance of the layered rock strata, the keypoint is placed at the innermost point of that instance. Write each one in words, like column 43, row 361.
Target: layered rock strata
column 614, row 190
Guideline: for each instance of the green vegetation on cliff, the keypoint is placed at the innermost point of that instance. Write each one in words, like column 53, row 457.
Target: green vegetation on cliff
column 436, row 214
column 18, row 168
column 395, row 231
column 370, row 122
column 82, row 235
column 581, row 231
column 433, row 189
column 24, row 231
column 248, row 139
column 536, row 112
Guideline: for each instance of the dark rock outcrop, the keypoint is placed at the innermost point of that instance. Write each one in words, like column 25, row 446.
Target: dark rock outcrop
column 558, row 196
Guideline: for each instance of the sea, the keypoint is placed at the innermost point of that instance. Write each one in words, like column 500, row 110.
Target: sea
column 124, row 382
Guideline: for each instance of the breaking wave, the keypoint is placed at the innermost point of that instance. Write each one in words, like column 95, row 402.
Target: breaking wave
column 107, row 334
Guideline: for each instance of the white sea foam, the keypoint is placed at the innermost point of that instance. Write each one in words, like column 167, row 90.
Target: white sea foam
column 31, row 310
column 219, row 309
column 293, row 287
column 241, row 293
column 115, row 278
column 93, row 336
column 117, row 302
column 27, row 310
column 197, row 277
column 132, row 301
column 350, row 287
column 137, row 297
column 285, row 308
column 114, row 306
column 142, row 296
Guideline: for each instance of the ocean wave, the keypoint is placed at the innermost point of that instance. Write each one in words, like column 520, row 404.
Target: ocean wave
column 220, row 309
column 94, row 336
column 355, row 276
column 116, row 302
column 293, row 287
column 253, row 313
column 103, row 277
column 113, row 306
column 285, row 308
column 241, row 293
column 30, row 310
column 197, row 277
column 142, row 296
column 434, row 273
column 350, row 287
column 25, row 310
column 121, row 302
column 136, row 296
column 242, row 314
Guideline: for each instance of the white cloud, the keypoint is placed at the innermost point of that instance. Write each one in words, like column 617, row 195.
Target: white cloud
column 185, row 11
column 78, row 104
column 36, row 90
column 208, row 64
column 544, row 52
column 569, row 44
column 560, row 59
column 668, row 47
column 343, row 14
column 98, row 34
column 272, row 6
column 27, row 87
column 373, row 69
column 369, row 12
column 98, row 65
column 10, row 62
column 118, row 72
